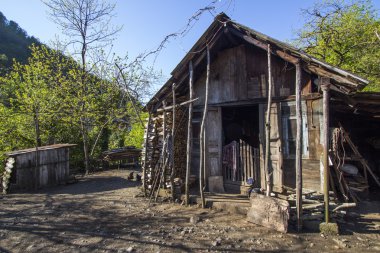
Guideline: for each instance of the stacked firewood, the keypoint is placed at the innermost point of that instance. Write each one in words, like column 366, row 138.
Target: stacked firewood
column 155, row 133
column 180, row 142
column 313, row 209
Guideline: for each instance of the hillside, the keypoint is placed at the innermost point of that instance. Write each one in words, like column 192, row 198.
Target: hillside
column 14, row 43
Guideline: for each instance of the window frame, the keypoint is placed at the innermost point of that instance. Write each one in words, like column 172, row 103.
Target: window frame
column 285, row 117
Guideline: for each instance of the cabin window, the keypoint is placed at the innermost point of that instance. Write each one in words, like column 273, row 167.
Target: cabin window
column 289, row 130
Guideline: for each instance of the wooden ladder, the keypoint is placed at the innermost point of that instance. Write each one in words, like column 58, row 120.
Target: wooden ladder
column 359, row 157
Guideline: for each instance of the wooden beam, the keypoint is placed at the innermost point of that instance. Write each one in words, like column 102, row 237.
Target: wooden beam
column 325, row 85
column 324, row 73
column 167, row 108
column 146, row 154
column 189, row 134
column 298, row 148
column 280, row 53
column 202, row 133
column 173, row 141
column 268, row 184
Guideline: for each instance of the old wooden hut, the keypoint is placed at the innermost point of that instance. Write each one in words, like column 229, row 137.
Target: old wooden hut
column 36, row 168
column 241, row 64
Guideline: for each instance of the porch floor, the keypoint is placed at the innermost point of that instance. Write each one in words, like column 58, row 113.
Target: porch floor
column 233, row 203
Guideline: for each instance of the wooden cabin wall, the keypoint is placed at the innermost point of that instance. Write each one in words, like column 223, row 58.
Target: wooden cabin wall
column 241, row 73
column 53, row 169
column 227, row 77
column 311, row 163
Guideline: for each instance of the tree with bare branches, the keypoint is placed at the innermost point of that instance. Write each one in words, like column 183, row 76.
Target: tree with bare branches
column 87, row 24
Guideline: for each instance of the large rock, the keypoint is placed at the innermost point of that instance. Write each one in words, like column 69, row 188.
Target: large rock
column 269, row 212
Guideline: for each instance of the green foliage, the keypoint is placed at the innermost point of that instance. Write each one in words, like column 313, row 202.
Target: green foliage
column 54, row 91
column 344, row 34
column 135, row 136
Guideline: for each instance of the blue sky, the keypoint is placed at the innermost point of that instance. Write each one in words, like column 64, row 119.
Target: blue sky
column 146, row 22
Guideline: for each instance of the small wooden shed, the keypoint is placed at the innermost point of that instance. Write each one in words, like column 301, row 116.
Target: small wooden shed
column 240, row 65
column 36, row 168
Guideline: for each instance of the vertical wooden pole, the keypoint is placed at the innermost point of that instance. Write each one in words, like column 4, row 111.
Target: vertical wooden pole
column 146, row 154
column 173, row 141
column 189, row 134
column 325, row 85
column 298, row 148
column 267, row 127
column 163, row 147
column 201, row 135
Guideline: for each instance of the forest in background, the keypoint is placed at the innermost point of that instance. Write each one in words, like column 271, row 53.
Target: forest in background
column 43, row 98
column 14, row 43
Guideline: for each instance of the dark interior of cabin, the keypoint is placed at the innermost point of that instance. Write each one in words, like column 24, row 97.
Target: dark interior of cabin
column 241, row 144
column 361, row 149
column 241, row 123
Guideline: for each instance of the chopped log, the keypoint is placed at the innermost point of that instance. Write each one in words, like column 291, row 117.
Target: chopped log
column 312, row 206
column 344, row 205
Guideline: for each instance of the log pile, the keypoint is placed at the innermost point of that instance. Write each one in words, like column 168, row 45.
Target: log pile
column 154, row 137
column 313, row 209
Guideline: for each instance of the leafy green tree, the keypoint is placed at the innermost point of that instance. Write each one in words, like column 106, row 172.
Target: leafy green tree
column 344, row 34
column 30, row 91
column 87, row 24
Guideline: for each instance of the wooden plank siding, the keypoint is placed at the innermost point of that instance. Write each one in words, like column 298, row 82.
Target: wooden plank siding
column 53, row 168
column 240, row 74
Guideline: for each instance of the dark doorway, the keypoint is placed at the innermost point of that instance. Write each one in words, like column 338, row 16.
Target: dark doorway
column 240, row 146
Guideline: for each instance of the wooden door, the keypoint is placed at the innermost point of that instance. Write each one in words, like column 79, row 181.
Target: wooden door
column 275, row 146
column 213, row 141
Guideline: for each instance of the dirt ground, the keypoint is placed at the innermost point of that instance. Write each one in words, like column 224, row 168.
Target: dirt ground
column 104, row 213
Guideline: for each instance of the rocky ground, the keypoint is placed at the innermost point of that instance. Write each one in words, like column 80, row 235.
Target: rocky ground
column 104, row 213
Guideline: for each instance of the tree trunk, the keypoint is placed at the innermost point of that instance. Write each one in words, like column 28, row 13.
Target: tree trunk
column 325, row 85
column 201, row 135
column 189, row 134
column 85, row 146
column 267, row 128
column 173, row 149
column 298, row 148
column 146, row 154
column 38, row 144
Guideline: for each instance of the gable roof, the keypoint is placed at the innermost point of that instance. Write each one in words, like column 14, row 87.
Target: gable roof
column 223, row 27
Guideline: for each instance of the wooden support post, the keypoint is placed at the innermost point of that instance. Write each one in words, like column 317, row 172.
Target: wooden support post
column 146, row 154
column 189, row 134
column 202, row 165
column 325, row 85
column 267, row 128
column 298, row 148
column 163, row 146
column 173, row 148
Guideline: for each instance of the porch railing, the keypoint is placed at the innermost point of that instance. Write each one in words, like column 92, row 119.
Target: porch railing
column 240, row 162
